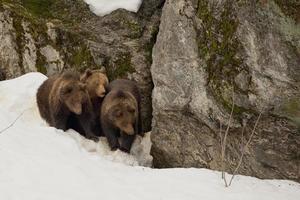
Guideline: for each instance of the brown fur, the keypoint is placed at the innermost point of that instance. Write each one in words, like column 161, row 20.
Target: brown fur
column 120, row 114
column 63, row 102
column 122, row 110
column 96, row 83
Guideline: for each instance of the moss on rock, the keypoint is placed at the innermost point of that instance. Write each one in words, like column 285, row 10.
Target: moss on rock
column 290, row 8
column 291, row 110
column 81, row 58
column 120, row 67
column 20, row 39
column 219, row 47
column 134, row 27
column 40, row 8
column 68, row 12
column 41, row 63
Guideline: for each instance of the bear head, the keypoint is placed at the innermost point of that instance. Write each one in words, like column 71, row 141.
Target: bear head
column 73, row 93
column 96, row 82
column 123, row 111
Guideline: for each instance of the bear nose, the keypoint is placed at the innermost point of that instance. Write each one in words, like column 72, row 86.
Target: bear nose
column 101, row 92
column 129, row 129
column 77, row 109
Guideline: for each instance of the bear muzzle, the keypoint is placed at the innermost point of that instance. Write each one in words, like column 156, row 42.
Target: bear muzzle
column 77, row 109
column 129, row 130
column 101, row 92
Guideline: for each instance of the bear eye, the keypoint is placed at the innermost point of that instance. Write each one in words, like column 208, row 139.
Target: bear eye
column 118, row 113
column 131, row 110
column 68, row 90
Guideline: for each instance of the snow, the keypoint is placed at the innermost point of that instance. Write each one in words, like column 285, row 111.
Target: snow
column 103, row 7
column 41, row 162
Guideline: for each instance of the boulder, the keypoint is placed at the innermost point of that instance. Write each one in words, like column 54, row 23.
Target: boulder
column 211, row 55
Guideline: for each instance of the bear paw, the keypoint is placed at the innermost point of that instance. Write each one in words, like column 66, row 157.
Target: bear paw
column 115, row 147
column 124, row 149
column 94, row 138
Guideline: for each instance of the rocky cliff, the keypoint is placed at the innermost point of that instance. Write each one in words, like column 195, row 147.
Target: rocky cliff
column 211, row 54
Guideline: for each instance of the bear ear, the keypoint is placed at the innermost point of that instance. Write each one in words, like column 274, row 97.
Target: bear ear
column 86, row 74
column 82, row 86
column 66, row 90
column 102, row 70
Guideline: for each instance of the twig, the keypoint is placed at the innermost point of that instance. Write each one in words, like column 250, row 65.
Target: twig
column 220, row 134
column 224, row 140
column 244, row 127
column 246, row 146
column 12, row 123
column 221, row 139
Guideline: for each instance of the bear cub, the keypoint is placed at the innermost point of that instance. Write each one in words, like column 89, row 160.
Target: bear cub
column 64, row 103
column 121, row 114
column 96, row 83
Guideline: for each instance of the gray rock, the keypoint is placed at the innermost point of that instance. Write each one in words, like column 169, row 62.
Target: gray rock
column 51, row 31
column 53, row 59
column 205, row 52
column 31, row 43
column 29, row 54
column 9, row 58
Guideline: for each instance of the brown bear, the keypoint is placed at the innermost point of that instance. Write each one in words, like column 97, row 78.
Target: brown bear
column 121, row 114
column 96, row 83
column 64, row 103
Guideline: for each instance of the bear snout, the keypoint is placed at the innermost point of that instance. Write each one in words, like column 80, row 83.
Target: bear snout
column 128, row 129
column 77, row 108
column 101, row 91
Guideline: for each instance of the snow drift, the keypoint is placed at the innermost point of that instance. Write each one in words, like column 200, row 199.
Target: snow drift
column 41, row 162
column 103, row 7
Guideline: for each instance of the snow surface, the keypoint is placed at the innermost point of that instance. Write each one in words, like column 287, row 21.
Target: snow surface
column 41, row 162
column 103, row 7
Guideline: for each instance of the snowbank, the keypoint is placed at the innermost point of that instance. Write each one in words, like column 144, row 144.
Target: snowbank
column 41, row 162
column 103, row 7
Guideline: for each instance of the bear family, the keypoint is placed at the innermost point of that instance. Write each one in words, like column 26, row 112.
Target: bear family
column 121, row 114
column 92, row 106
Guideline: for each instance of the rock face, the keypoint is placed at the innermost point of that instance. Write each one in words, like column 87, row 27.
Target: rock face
column 51, row 36
column 29, row 45
column 212, row 54
column 8, row 46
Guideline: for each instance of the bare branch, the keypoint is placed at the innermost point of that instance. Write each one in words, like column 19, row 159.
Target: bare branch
column 220, row 134
column 244, row 149
column 221, row 141
column 224, row 140
column 242, row 137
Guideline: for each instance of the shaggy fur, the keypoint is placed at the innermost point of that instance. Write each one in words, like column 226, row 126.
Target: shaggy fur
column 64, row 103
column 120, row 114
